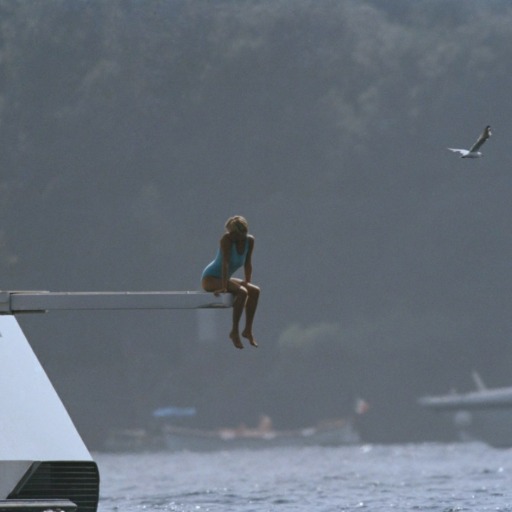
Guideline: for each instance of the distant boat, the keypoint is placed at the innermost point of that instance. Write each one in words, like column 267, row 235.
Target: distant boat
column 331, row 433
column 177, row 438
column 481, row 415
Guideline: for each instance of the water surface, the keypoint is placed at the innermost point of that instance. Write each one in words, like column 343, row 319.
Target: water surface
column 437, row 477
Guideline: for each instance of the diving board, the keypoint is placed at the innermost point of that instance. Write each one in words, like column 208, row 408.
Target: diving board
column 13, row 302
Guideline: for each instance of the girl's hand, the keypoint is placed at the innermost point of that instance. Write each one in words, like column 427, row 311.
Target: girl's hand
column 218, row 292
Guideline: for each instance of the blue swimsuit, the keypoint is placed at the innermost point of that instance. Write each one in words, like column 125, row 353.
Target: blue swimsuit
column 236, row 260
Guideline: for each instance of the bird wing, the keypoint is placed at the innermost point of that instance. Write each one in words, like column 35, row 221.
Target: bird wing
column 483, row 137
column 463, row 152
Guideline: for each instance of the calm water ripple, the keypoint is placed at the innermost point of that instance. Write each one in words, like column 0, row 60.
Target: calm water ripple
column 424, row 477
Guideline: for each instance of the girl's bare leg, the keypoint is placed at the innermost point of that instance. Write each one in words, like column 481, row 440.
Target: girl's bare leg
column 240, row 293
column 250, row 310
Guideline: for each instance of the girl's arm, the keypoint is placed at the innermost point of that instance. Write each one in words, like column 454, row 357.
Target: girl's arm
column 248, row 260
column 225, row 245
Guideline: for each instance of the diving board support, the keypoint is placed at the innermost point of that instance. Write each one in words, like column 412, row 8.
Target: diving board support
column 13, row 302
column 42, row 455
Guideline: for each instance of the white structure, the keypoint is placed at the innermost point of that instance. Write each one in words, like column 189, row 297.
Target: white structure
column 44, row 463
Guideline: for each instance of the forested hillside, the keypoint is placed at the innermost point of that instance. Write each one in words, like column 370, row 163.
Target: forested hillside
column 132, row 129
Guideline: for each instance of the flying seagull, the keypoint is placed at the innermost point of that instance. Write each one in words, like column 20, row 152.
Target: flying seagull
column 473, row 151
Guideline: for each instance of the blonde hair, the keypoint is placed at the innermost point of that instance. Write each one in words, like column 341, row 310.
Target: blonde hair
column 237, row 224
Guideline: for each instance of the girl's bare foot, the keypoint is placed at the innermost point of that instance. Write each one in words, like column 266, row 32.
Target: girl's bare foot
column 235, row 338
column 250, row 337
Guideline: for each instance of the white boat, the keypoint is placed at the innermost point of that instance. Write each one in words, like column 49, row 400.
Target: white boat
column 44, row 463
column 481, row 415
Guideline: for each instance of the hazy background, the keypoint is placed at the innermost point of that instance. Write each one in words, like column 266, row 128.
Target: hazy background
column 130, row 130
